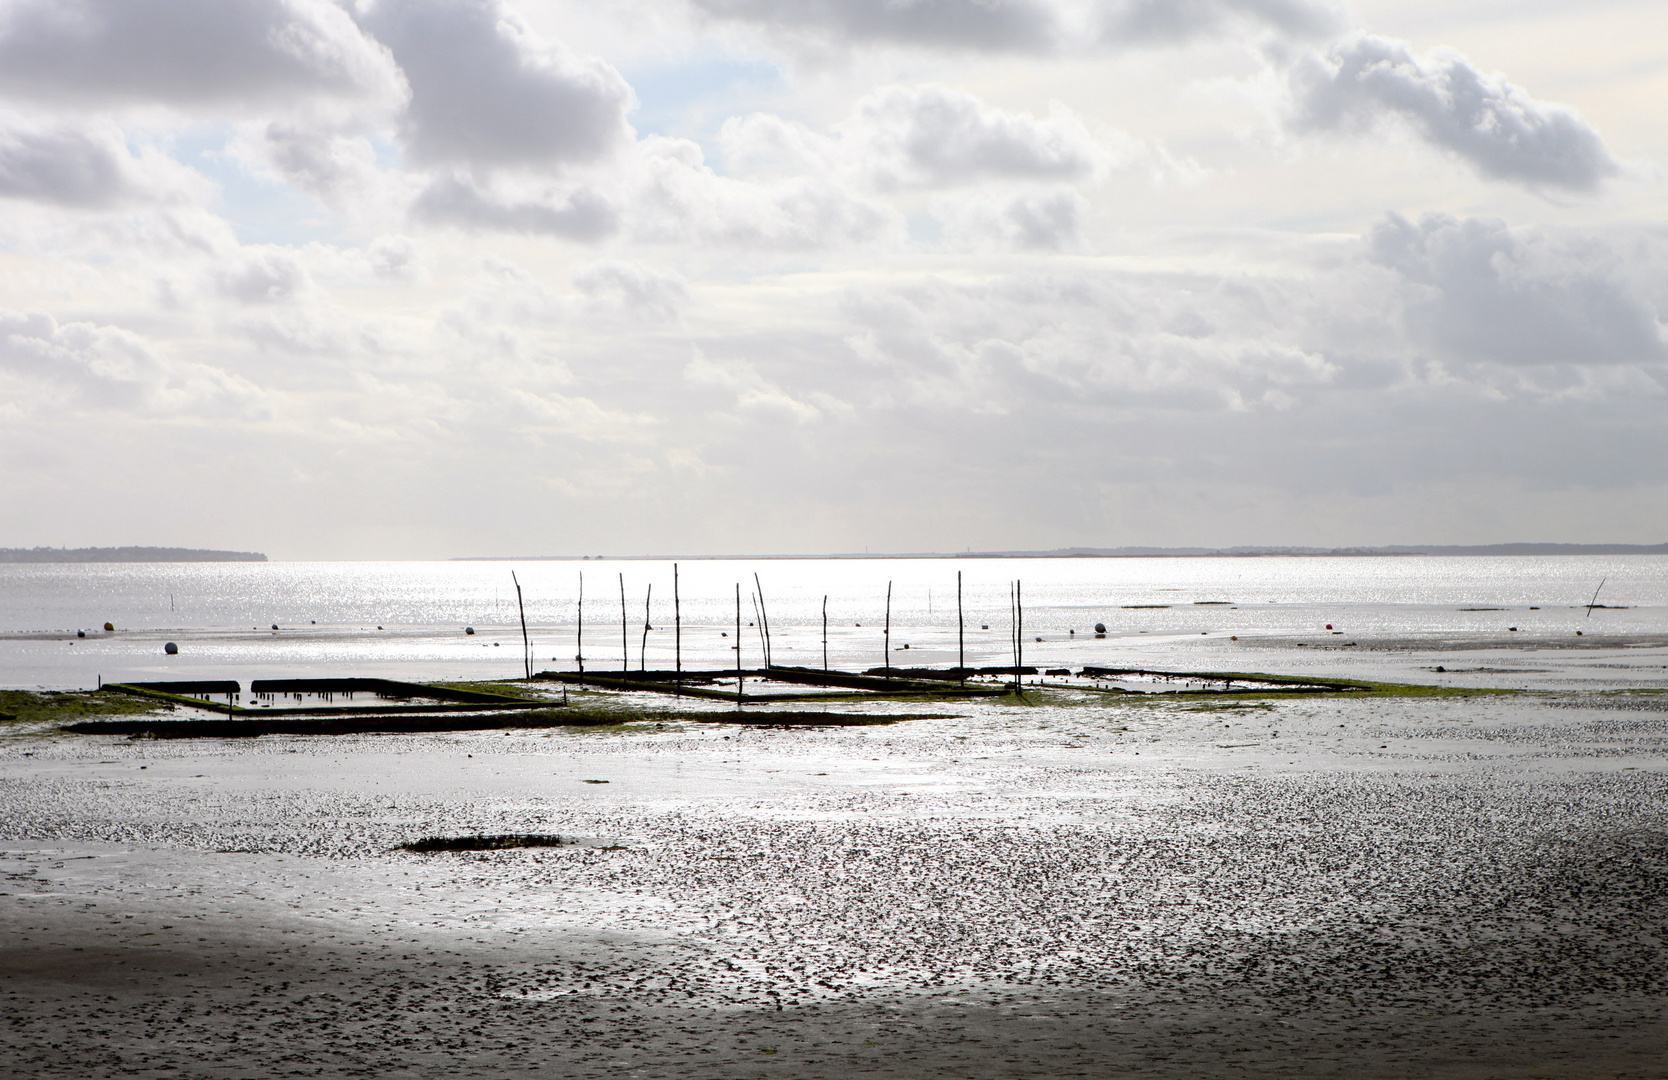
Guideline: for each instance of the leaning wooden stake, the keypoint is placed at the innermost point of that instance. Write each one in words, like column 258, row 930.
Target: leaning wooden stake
column 764, row 617
column 739, row 678
column 579, row 627
column 886, row 635
column 643, row 653
column 759, row 625
column 1594, row 601
column 526, row 647
column 825, row 631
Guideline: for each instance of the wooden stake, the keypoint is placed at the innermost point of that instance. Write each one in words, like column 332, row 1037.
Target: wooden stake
column 526, row 647
column 1594, row 601
column 625, row 647
column 579, row 628
column 643, row 653
column 764, row 617
column 738, row 646
column 1019, row 627
column 961, row 634
column 825, row 631
column 677, row 633
column 886, row 636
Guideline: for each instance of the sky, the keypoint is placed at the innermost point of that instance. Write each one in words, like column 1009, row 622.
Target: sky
column 396, row 279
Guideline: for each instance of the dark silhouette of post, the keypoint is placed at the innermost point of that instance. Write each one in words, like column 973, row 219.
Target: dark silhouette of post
column 677, row 633
column 825, row 631
column 643, row 653
column 961, row 634
column 764, row 617
column 1019, row 628
column 579, row 628
column 526, row 646
column 625, row 640
column 739, row 676
column 886, row 635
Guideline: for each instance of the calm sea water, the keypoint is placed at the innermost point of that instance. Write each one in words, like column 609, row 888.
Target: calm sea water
column 408, row 618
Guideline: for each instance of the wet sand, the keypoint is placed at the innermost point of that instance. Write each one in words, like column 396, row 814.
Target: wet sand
column 1462, row 888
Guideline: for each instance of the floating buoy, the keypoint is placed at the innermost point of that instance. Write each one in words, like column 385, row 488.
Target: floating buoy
column 171, row 649
column 1329, row 626
column 469, row 629
column 275, row 626
column 984, row 626
column 1100, row 628
column 81, row 633
column 109, row 627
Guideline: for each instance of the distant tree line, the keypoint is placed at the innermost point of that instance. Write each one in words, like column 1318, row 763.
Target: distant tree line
column 124, row 554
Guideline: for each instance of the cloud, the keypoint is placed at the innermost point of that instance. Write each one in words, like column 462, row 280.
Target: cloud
column 935, row 136
column 337, row 168
column 1038, row 27
column 187, row 53
column 633, row 290
column 486, row 93
column 1025, row 26
column 1174, row 21
column 89, row 168
column 678, row 198
column 82, row 365
column 1481, row 118
column 1478, row 291
column 457, row 201
column 265, row 275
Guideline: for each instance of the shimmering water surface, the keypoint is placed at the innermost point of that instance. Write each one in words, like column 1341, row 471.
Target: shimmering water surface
column 408, row 618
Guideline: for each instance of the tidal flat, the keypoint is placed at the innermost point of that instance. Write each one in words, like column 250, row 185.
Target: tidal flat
column 1462, row 886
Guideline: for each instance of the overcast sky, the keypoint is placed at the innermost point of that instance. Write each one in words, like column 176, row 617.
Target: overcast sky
column 425, row 278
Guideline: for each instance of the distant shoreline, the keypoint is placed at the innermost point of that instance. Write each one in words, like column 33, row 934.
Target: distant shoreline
column 1137, row 553
column 124, row 555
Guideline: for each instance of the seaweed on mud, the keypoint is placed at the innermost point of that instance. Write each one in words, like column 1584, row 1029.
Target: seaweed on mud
column 52, row 706
column 501, row 842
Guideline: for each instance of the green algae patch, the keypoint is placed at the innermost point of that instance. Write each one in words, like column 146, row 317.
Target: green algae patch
column 67, row 706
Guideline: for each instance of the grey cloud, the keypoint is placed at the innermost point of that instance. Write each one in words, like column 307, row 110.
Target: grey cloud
column 1485, row 120
column 1044, row 222
column 1174, row 21
column 484, row 93
column 265, row 275
column 935, row 135
column 633, row 289
column 324, row 164
column 186, row 52
column 1479, row 291
column 582, row 215
column 86, row 169
column 1025, row 26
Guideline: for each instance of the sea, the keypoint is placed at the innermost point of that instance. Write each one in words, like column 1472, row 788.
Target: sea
column 1513, row 620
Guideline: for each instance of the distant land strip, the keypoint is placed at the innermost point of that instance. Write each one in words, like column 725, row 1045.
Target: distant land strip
column 124, row 554
column 1150, row 553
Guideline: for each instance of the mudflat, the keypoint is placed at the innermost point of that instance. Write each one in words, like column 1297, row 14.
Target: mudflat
column 1461, row 887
